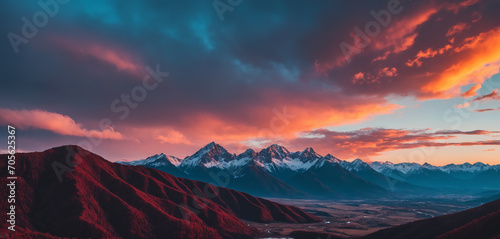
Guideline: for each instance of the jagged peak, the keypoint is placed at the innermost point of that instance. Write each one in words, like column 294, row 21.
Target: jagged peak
column 358, row 162
column 276, row 149
column 331, row 158
column 248, row 153
column 211, row 147
column 309, row 150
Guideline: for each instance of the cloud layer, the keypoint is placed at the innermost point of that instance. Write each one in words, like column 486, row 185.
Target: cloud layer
column 369, row 142
column 57, row 123
column 269, row 72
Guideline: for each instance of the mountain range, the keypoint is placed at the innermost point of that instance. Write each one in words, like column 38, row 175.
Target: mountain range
column 477, row 176
column 276, row 172
column 271, row 172
column 95, row 198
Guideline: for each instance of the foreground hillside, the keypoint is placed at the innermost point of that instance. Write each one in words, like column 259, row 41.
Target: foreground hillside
column 479, row 222
column 97, row 199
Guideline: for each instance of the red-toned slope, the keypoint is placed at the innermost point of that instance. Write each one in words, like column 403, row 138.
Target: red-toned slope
column 479, row 222
column 98, row 198
column 483, row 227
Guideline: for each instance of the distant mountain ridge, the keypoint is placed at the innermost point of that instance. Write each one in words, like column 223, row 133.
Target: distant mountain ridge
column 410, row 167
column 477, row 175
column 278, row 157
column 286, row 172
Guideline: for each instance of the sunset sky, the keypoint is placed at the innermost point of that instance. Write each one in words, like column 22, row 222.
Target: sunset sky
column 423, row 87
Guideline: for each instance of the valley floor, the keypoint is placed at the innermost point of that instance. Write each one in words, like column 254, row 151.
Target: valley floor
column 352, row 218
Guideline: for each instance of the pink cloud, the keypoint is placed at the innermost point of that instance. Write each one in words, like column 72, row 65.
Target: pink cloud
column 57, row 123
column 486, row 110
column 456, row 7
column 121, row 59
column 494, row 95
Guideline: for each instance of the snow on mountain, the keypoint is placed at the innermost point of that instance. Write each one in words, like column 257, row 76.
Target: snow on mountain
column 354, row 166
column 409, row 168
column 466, row 167
column 275, row 152
column 277, row 158
column 307, row 155
column 326, row 159
column 274, row 158
column 155, row 160
column 212, row 155
column 240, row 161
column 404, row 168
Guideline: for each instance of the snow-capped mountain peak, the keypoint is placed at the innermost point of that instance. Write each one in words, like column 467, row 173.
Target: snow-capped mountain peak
column 465, row 167
column 327, row 159
column 404, row 168
column 309, row 154
column 409, row 168
column 209, row 156
column 277, row 159
column 331, row 158
column 155, row 160
column 249, row 153
column 274, row 152
column 355, row 166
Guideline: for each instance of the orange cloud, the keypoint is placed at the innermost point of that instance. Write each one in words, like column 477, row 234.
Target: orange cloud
column 457, row 29
column 281, row 119
column 374, row 141
column 359, row 76
column 398, row 37
column 472, row 91
column 173, row 137
column 429, row 53
column 401, row 34
column 57, row 123
column 480, row 60
column 464, row 105
column 366, row 78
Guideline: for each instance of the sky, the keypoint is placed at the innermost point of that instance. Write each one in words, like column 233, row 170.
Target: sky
column 399, row 81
